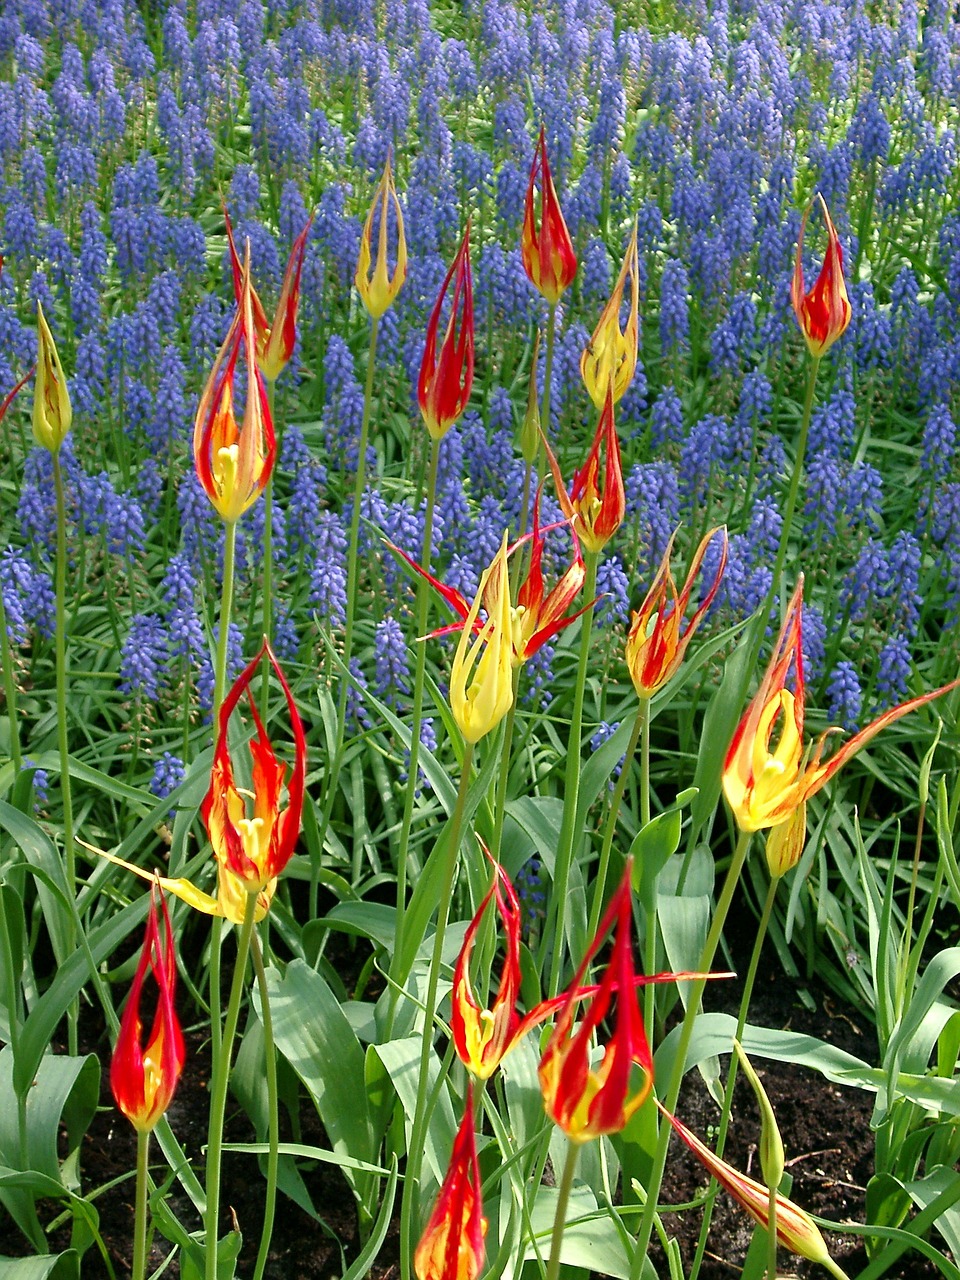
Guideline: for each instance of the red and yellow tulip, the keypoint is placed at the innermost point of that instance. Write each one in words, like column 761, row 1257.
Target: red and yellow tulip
column 52, row 412
column 658, row 639
column 481, row 677
column 769, row 787
column 451, row 1247
column 545, row 247
column 610, row 357
column 234, row 462
column 143, row 1078
column 275, row 342
column 379, row 289
column 824, row 313
column 445, row 382
column 595, row 517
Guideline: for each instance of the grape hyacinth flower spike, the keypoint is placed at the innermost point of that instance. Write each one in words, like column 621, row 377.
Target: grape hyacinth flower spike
column 824, row 313
column 446, row 380
column 275, row 342
column 379, row 290
column 234, row 462
column 546, row 248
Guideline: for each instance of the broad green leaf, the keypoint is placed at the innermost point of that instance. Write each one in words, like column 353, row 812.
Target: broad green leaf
column 591, row 1239
column 39, row 850
column 51, row 1266
column 13, row 927
column 402, row 1061
column 64, row 1090
column 652, row 847
column 361, row 1265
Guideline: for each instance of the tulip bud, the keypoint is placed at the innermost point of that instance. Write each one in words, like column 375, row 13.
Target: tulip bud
column 610, row 357
column 379, row 290
column 771, row 1144
column 451, row 1247
column 445, row 382
column 824, row 313
column 143, row 1079
column 52, row 413
column 479, row 700
column 547, row 251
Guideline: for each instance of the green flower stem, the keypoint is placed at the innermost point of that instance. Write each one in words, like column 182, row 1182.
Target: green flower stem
column 571, row 794
column 545, row 400
column 789, row 509
column 216, row 1030
column 218, row 1092
column 560, row 1216
column 139, row 1270
column 336, row 765
column 500, row 808
column 409, row 1208
column 772, row 1236
column 268, row 562
column 10, row 691
column 69, row 846
column 596, row 908
column 732, row 1072
column 686, row 1035
column 226, row 608
column 273, row 1153
column 416, row 721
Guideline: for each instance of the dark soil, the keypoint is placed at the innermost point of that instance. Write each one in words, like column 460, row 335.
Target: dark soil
column 826, row 1133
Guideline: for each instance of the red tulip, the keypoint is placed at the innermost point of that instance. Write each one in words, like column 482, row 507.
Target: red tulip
column 451, row 1247
column 547, row 250
column 824, row 313
column 443, row 389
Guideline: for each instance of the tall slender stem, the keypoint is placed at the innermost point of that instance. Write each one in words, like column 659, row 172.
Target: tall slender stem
column 571, row 794
column 139, row 1270
column 226, row 608
column 420, row 1118
column 560, row 1214
column 686, row 1034
column 732, row 1071
column 218, row 1093
column 600, row 881
column 62, row 674
column 268, row 562
column 10, row 689
column 500, row 808
column 416, row 721
column 273, row 1151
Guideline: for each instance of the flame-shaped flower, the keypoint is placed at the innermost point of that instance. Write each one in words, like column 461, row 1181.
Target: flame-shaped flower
column 481, row 678
column 796, row 1230
column 254, row 850
column 379, row 289
column 443, row 389
column 52, row 412
column 546, row 249
column 234, row 463
column 275, row 342
column 658, row 639
column 250, row 852
column 610, row 357
column 595, row 517
column 824, row 313
column 768, row 788
column 538, row 615
column 143, row 1077
column 451, row 1247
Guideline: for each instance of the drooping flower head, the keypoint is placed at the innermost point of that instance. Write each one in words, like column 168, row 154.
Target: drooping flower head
column 546, row 248
column 796, row 1230
column 379, row 289
column 446, row 380
column 451, row 1247
column 52, row 412
column 610, row 357
column 769, row 787
column 658, row 639
column 824, row 313
column 275, row 342
column 234, row 462
column 595, row 516
column 143, row 1077
column 255, row 849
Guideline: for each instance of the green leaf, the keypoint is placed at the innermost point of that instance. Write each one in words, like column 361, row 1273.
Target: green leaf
column 65, row 1090
column 887, row 1205
column 652, row 847
column 55, row 1266
column 402, row 1061
column 368, row 1253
